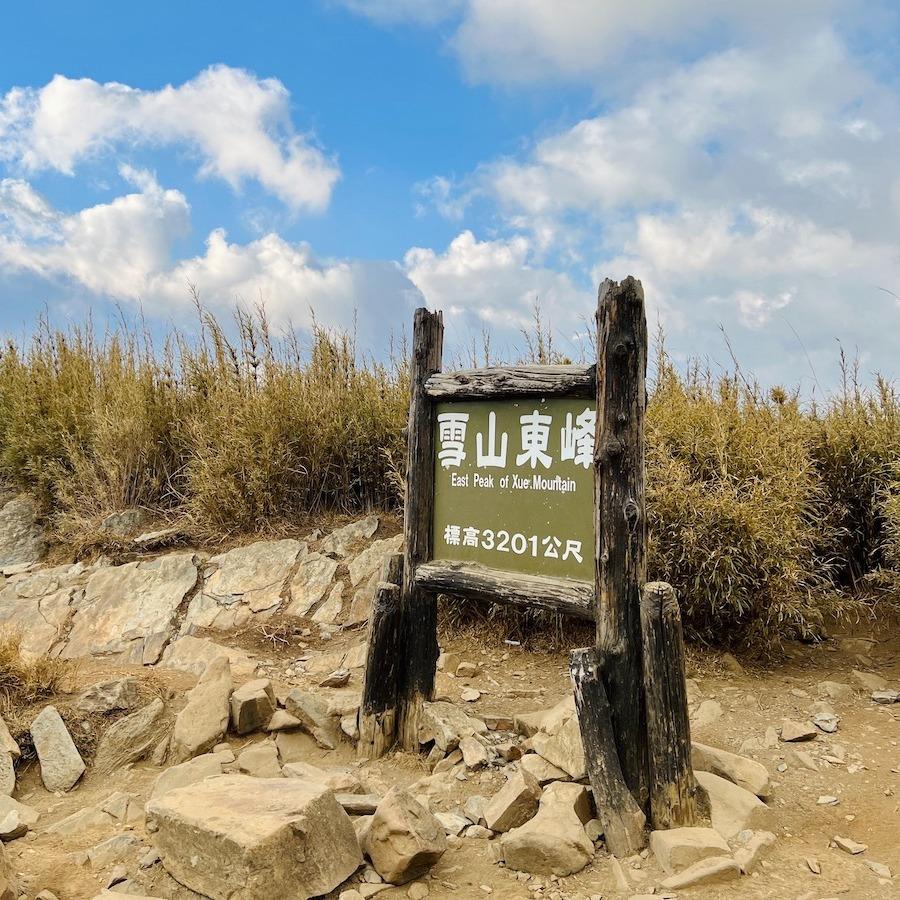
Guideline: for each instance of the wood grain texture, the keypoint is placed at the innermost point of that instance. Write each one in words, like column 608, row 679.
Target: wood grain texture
column 673, row 789
column 620, row 520
column 419, row 607
column 622, row 819
column 477, row 582
column 508, row 382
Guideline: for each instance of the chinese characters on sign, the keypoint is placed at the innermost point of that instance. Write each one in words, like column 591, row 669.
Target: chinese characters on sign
column 514, row 485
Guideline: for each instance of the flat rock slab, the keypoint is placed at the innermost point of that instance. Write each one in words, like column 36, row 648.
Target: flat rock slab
column 193, row 654
column 747, row 773
column 732, row 808
column 61, row 764
column 677, row 848
column 715, row 870
column 21, row 538
column 204, row 720
column 792, row 731
column 234, row 837
column 130, row 610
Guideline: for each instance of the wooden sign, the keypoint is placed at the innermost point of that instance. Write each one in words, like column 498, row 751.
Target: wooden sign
column 514, row 485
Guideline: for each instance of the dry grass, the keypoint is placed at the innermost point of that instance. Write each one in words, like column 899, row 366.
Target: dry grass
column 24, row 681
column 771, row 517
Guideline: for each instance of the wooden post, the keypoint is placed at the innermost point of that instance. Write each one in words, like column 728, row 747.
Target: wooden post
column 621, row 531
column 418, row 626
column 377, row 720
column 622, row 819
column 673, row 790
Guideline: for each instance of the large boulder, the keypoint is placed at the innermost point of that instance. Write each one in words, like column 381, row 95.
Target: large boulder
column 404, row 840
column 193, row 654
column 204, row 720
column 21, row 538
column 554, row 842
column 129, row 611
column 242, row 582
column 746, row 773
column 252, row 706
column 514, row 804
column 564, row 748
column 131, row 738
column 239, row 838
column 732, row 808
column 61, row 763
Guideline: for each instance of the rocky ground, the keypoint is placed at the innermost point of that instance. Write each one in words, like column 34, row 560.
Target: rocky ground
column 204, row 737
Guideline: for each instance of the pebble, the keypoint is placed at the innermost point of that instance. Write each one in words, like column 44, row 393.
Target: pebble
column 848, row 845
column 813, row 865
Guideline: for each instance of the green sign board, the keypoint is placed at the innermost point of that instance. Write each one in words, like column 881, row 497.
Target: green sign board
column 514, row 485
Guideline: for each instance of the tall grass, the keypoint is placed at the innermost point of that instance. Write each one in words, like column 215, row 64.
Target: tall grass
column 770, row 516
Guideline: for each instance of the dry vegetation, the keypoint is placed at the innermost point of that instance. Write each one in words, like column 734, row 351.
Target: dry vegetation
column 770, row 515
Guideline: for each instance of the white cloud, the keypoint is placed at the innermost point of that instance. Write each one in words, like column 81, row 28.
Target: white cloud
column 237, row 124
column 495, row 284
column 123, row 250
column 519, row 41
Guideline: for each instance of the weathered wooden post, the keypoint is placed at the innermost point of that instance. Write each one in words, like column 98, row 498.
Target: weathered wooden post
column 608, row 678
column 418, row 616
column 673, row 790
column 378, row 707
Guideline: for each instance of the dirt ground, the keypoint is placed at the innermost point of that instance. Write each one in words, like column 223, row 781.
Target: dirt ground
column 521, row 678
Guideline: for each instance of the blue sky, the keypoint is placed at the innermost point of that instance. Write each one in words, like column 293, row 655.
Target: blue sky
column 366, row 156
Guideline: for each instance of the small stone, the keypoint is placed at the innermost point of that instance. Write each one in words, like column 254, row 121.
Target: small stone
column 282, row 720
column 12, row 826
column 417, row 891
column 886, row 696
column 848, row 845
column 880, row 869
column 835, row 690
column 514, row 804
column 748, row 856
column 260, row 760
column 107, row 696
column 204, row 720
column 474, row 753
column 466, row 670
column 541, row 769
column 252, row 706
column 813, row 865
column 733, row 808
column 337, row 679
column 827, row 800
column 868, row 681
column 826, row 722
column 796, row 731
column 470, row 695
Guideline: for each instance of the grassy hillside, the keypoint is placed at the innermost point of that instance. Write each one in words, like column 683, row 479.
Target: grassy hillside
column 769, row 515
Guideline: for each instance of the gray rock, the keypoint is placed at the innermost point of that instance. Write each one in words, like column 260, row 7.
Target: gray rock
column 112, row 850
column 272, row 837
column 61, row 764
column 107, row 696
column 677, row 848
column 310, row 583
column 130, row 610
column 564, row 749
column 131, row 738
column 868, row 681
column 190, row 772
column 26, row 813
column 848, row 845
column 204, row 720
column 21, row 538
column 446, row 725
column 252, row 706
column 886, row 696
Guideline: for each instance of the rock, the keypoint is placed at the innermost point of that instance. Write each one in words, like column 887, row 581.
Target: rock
column 356, row 656
column 417, row 891
column 827, row 722
column 252, row 706
column 371, row 560
column 310, row 583
column 124, row 523
column 260, row 760
column 12, row 826
column 107, row 696
column 708, row 712
column 112, row 850
column 294, row 746
column 478, row 832
column 805, row 760
column 341, row 539
column 470, row 695
column 190, row 772
column 448, row 662
column 446, row 725
column 350, row 726
column 474, row 753
column 553, row 842
column 337, row 679
column 7, row 774
column 25, row 813
column 886, row 696
column 572, row 796
column 714, row 870
column 7, row 743
column 474, row 809
column 748, row 856
column 61, row 764
column 131, row 738
column 204, row 720
column 329, row 612
column 563, row 749
column 244, row 581
column 312, row 712
column 541, row 769
column 192, row 654
column 270, row 837
column 797, row 731
column 676, row 849
column 848, row 845
column 880, row 869
column 734, row 809
column 742, row 771
column 340, row 781
column 282, row 720
column 514, row 804
column 453, row 823
column 813, row 865
column 528, row 724
column 466, row 670
column 21, row 538
column 130, row 610
column 868, row 681
column 404, row 840
column 835, row 690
